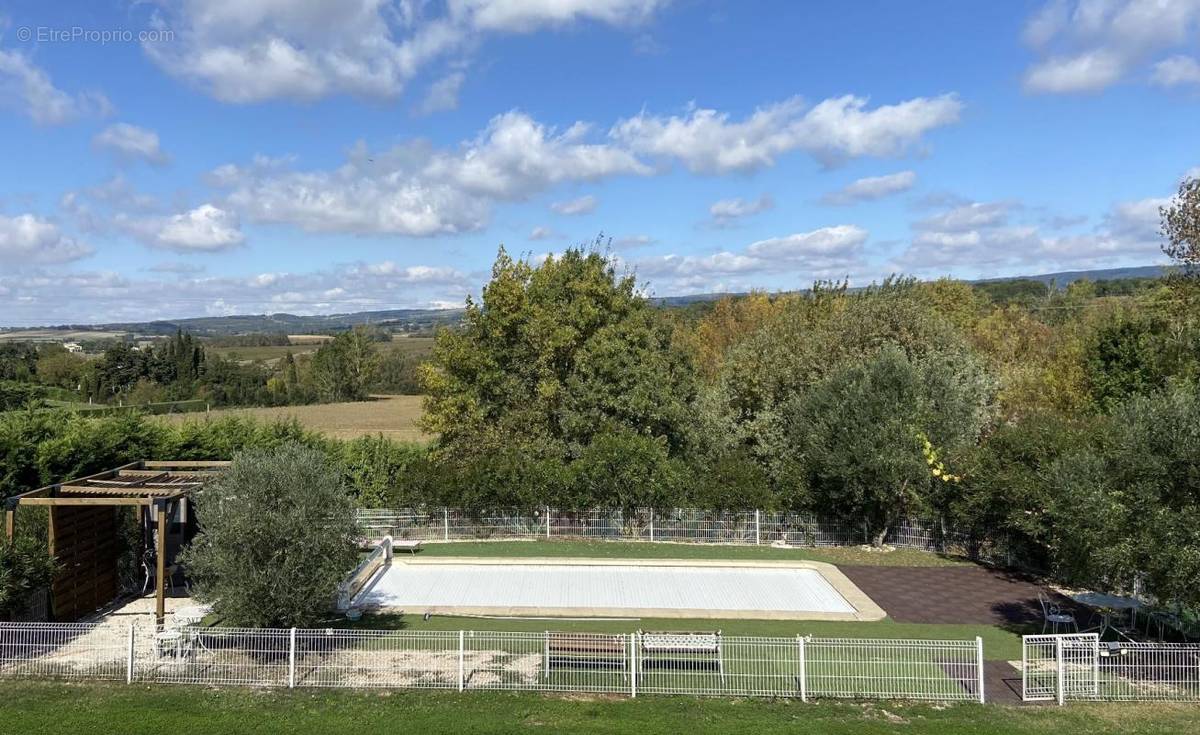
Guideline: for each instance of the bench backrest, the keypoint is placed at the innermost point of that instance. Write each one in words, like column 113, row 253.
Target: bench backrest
column 584, row 643
column 681, row 642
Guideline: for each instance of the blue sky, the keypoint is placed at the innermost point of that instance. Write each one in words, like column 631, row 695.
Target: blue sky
column 167, row 159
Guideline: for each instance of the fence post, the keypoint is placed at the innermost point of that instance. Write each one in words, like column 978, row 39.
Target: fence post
column 1058, row 657
column 129, row 658
column 757, row 528
column 979, row 665
column 633, row 665
column 803, row 669
column 651, row 525
column 547, row 521
column 445, row 524
column 292, row 659
column 462, row 682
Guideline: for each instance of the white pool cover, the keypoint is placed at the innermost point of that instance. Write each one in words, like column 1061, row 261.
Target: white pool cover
column 557, row 589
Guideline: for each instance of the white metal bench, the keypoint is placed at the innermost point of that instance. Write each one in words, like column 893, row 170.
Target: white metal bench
column 664, row 646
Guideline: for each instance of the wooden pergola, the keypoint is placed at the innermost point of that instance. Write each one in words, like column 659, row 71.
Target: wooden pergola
column 84, row 531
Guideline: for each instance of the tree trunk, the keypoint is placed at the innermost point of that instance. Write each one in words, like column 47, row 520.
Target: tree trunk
column 879, row 537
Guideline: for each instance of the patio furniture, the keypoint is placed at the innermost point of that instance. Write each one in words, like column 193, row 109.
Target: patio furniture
column 412, row 546
column 1116, row 612
column 1054, row 615
column 681, row 650
column 583, row 651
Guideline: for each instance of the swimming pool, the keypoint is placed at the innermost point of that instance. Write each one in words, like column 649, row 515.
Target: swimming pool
column 602, row 588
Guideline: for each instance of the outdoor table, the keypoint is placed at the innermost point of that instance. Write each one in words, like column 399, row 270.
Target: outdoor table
column 1110, row 606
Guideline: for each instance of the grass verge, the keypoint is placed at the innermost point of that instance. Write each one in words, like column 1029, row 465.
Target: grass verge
column 44, row 708
column 852, row 555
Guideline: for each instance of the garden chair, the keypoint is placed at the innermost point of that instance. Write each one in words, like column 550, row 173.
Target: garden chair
column 1053, row 615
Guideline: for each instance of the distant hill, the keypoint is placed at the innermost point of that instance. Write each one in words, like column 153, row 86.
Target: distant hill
column 1064, row 278
column 419, row 320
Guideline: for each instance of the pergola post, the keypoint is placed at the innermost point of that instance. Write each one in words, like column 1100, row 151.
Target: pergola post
column 10, row 520
column 160, row 572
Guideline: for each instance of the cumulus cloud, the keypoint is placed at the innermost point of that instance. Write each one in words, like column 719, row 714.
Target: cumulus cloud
column 628, row 242
column 870, row 188
column 828, row 252
column 28, row 240
column 990, row 238
column 727, row 211
column 417, row 190
column 583, row 205
column 709, row 141
column 443, row 94
column 255, row 50
column 28, row 89
column 420, row 190
column 1089, row 45
column 543, row 233
column 205, row 229
column 1176, row 71
column 130, row 142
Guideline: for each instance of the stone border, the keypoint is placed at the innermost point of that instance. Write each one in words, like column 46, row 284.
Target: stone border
column 865, row 608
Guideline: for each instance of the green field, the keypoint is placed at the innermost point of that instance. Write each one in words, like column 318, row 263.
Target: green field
column 45, row 708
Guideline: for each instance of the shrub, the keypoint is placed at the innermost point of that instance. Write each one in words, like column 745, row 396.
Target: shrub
column 277, row 536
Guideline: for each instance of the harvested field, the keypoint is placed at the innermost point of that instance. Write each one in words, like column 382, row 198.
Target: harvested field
column 393, row 416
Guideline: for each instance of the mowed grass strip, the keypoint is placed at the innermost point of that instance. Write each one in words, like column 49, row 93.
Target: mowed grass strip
column 998, row 643
column 45, row 708
column 853, row 555
column 393, row 416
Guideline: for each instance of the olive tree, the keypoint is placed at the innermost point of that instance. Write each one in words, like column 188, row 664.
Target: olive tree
column 277, row 535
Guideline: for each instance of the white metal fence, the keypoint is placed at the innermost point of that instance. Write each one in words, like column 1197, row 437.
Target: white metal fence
column 1079, row 666
column 686, row 525
column 631, row 664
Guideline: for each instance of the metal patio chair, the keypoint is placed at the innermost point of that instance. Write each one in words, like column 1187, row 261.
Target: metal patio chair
column 1054, row 615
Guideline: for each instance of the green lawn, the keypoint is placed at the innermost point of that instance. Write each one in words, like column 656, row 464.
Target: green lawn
column 853, row 555
column 34, row 709
column 997, row 642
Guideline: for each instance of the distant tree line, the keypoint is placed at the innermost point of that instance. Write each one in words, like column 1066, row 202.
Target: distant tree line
column 348, row 367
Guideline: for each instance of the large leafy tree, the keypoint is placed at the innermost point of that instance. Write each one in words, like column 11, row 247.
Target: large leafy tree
column 556, row 354
column 1127, row 509
column 1181, row 226
column 866, row 439
column 277, row 536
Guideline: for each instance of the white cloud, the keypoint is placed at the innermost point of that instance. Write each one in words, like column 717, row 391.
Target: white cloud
column 629, row 242
column 1176, row 71
column 727, row 211
column 583, row 205
column 417, row 190
column 543, row 233
column 29, row 240
column 987, row 239
column 871, row 187
column 205, row 229
column 28, row 89
column 131, row 142
column 443, row 94
column 828, row 252
column 1089, row 45
column 708, row 141
column 255, row 50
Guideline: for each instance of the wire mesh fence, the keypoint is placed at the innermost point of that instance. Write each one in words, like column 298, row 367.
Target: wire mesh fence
column 680, row 525
column 1079, row 666
column 645, row 662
